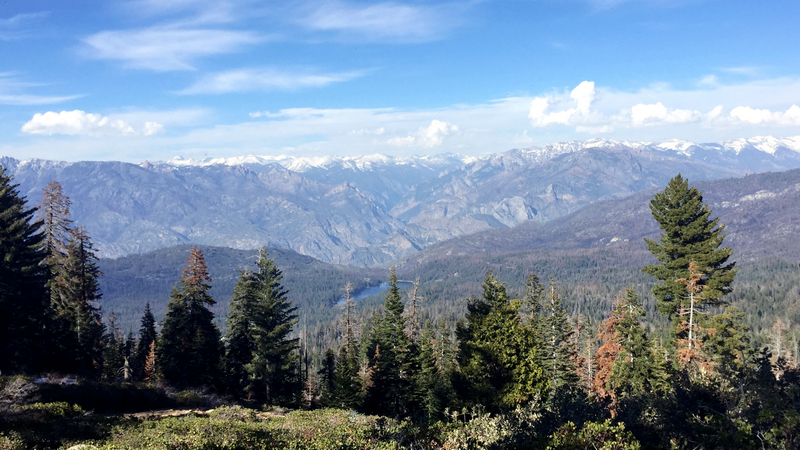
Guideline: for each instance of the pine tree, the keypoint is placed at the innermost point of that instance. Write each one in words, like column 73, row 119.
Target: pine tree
column 114, row 351
column 189, row 350
column 261, row 358
column 347, row 386
column 497, row 353
column 77, row 290
column 634, row 372
column 147, row 336
column 53, row 211
column 558, row 347
column 25, row 331
column 688, row 236
column 388, row 359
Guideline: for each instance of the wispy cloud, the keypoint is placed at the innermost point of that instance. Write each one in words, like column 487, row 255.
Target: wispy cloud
column 19, row 26
column 248, row 80
column 166, row 48
column 13, row 92
column 81, row 123
column 388, row 21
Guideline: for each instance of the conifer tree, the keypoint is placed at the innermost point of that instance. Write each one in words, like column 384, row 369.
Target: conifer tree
column 189, row 351
column 77, row 291
column 114, row 351
column 347, row 383
column 53, row 211
column 261, row 358
column 688, row 235
column 388, row 360
column 558, row 347
column 634, row 372
column 25, row 331
column 497, row 353
column 147, row 336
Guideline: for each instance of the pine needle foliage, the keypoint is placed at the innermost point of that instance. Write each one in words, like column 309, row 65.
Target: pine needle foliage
column 189, row 349
column 23, row 300
column 261, row 358
column 688, row 235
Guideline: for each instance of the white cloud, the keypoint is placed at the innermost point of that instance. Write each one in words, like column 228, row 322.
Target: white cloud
column 81, row 123
column 166, row 48
column 653, row 114
column 383, row 21
column 247, row 80
column 767, row 117
column 582, row 97
column 492, row 126
column 427, row 137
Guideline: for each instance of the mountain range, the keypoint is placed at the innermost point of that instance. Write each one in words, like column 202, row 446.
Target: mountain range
column 373, row 209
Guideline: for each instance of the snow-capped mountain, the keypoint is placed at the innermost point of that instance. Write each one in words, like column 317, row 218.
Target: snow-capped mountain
column 375, row 208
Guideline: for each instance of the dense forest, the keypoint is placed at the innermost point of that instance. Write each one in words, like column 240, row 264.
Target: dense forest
column 692, row 363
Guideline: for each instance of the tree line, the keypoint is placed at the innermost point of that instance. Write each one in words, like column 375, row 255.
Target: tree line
column 705, row 386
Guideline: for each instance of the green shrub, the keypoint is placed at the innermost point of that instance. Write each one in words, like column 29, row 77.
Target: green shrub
column 235, row 428
column 52, row 410
column 189, row 399
column 593, row 436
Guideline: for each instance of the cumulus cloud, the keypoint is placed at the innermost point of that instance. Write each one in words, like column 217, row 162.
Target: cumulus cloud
column 581, row 97
column 657, row 113
column 427, row 137
column 81, row 123
column 767, row 117
column 248, row 80
column 166, row 48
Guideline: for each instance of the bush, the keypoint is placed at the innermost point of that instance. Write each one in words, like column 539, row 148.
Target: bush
column 236, row 428
column 52, row 410
column 593, row 436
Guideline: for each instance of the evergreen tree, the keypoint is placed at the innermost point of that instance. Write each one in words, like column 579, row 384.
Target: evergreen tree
column 53, row 212
column 436, row 370
column 388, row 386
column 261, row 358
column 114, row 351
column 634, row 372
column 558, row 347
column 147, row 336
column 497, row 353
column 327, row 375
column 347, row 385
column 25, row 333
column 688, row 236
column 77, row 291
column 189, row 350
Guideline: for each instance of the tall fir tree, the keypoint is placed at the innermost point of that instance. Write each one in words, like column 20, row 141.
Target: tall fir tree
column 388, row 387
column 635, row 371
column 261, row 357
column 77, row 290
column 347, row 386
column 26, row 335
column 688, row 236
column 189, row 350
column 498, row 354
column 559, row 350
column 147, row 338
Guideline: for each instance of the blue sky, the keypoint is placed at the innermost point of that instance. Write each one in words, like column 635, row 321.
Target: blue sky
column 151, row 79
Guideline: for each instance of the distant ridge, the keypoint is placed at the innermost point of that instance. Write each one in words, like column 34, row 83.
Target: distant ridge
column 372, row 209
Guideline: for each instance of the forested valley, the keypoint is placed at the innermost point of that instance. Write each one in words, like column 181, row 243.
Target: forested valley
column 682, row 348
